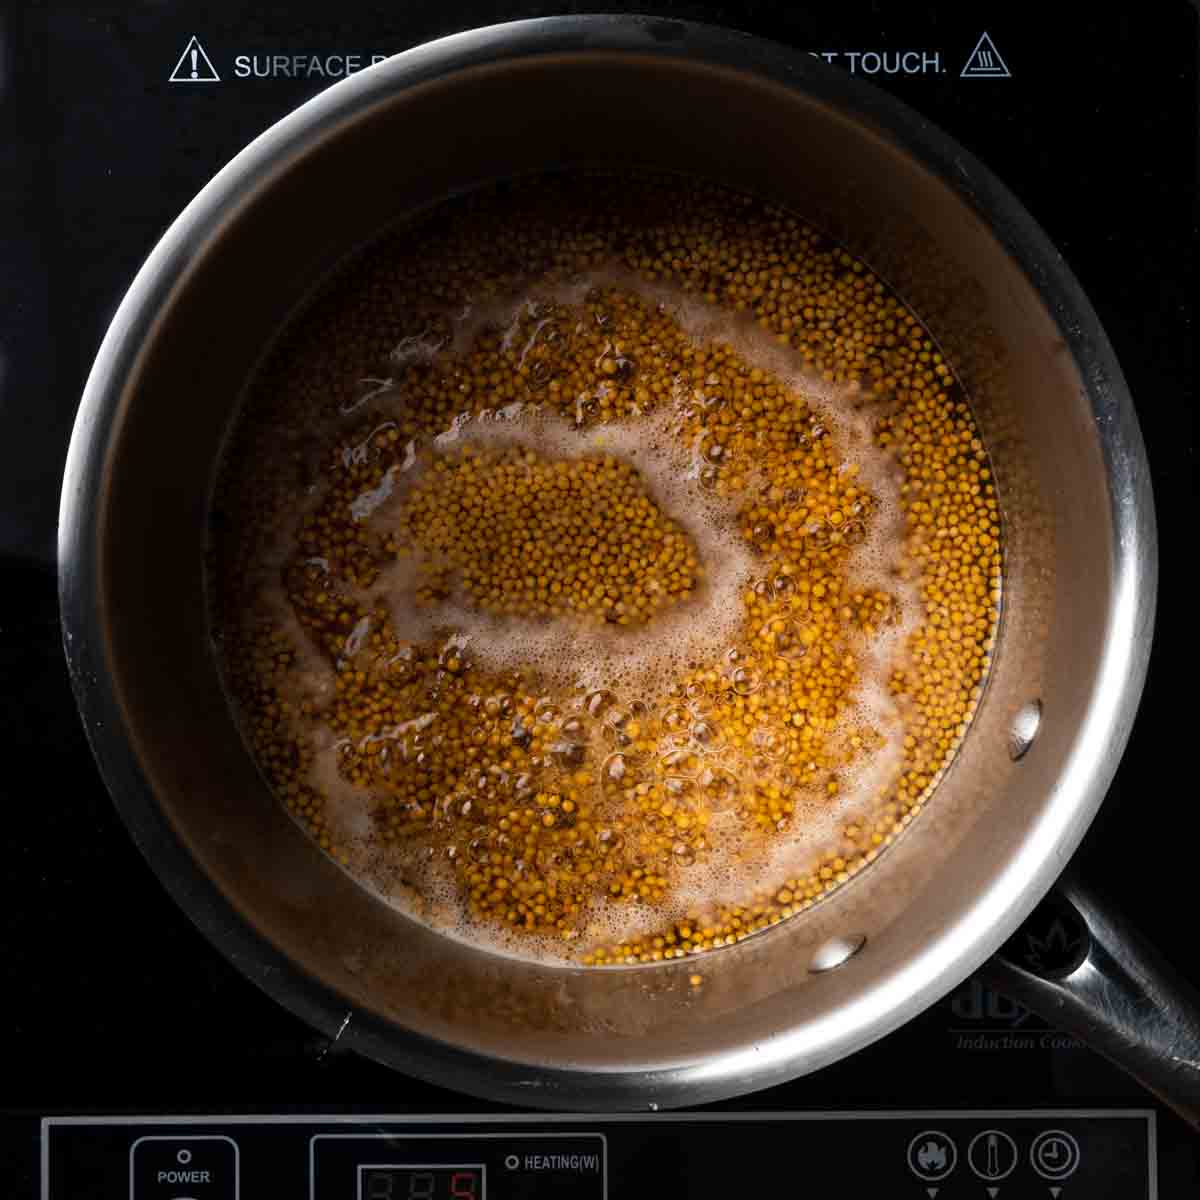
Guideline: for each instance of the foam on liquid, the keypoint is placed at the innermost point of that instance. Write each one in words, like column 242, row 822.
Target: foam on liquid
column 575, row 658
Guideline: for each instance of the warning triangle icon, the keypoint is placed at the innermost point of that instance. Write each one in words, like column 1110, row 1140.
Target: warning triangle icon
column 194, row 65
column 985, row 62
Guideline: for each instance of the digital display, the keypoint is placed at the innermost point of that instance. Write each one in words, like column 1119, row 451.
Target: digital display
column 421, row 1183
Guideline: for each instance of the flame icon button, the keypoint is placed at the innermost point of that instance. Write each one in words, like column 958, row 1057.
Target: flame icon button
column 932, row 1155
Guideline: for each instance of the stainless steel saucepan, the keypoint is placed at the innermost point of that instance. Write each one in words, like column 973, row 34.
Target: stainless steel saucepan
column 1069, row 664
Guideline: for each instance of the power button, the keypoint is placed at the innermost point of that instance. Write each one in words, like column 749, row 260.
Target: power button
column 184, row 1168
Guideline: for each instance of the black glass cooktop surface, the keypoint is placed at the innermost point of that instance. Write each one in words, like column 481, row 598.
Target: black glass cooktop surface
column 114, row 115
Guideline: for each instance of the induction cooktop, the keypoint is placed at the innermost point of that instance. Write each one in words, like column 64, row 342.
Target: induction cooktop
column 137, row 1061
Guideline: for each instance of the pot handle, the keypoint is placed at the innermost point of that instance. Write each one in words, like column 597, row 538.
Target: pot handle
column 1080, row 966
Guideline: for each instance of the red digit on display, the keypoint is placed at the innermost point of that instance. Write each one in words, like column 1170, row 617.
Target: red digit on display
column 462, row 1186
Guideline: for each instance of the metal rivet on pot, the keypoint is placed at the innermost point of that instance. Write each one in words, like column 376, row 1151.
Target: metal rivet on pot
column 1024, row 729
column 836, row 951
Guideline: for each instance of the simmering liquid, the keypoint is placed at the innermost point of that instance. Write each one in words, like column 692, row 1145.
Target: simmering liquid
column 605, row 567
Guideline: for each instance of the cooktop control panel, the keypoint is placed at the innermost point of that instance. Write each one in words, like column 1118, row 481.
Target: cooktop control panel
column 1000, row 1155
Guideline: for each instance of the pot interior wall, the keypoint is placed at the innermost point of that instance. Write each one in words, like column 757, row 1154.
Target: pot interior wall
column 284, row 231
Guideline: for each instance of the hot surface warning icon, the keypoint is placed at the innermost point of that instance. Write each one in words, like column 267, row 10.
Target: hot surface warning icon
column 985, row 62
column 194, row 66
